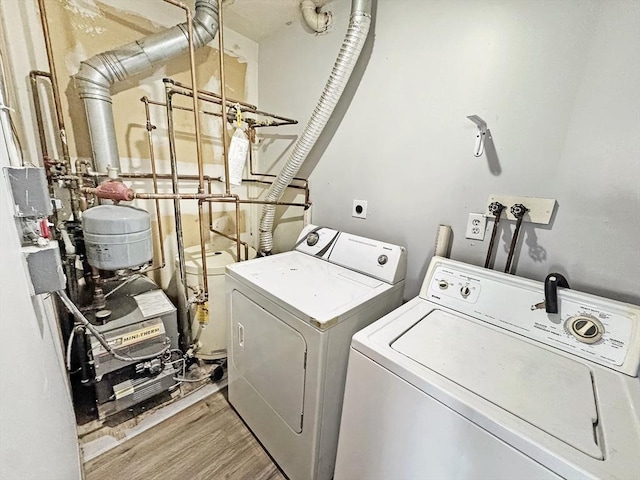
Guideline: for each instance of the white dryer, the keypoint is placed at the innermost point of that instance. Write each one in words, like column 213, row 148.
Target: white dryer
column 472, row 380
column 291, row 319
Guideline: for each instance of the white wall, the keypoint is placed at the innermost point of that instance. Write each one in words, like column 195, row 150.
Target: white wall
column 38, row 435
column 557, row 82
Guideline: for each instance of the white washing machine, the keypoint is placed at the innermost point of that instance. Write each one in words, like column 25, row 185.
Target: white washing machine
column 292, row 316
column 471, row 379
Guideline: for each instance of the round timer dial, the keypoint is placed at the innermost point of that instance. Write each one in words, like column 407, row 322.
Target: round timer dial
column 312, row 239
column 585, row 328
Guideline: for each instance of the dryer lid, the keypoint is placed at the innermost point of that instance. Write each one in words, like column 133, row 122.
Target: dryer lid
column 549, row 391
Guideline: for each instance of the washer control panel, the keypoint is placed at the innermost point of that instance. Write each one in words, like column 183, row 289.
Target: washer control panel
column 601, row 330
column 456, row 285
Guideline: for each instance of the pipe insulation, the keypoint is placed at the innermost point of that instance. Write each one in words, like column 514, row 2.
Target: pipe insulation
column 357, row 32
column 100, row 73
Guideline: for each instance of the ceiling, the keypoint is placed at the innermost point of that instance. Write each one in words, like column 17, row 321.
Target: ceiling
column 258, row 19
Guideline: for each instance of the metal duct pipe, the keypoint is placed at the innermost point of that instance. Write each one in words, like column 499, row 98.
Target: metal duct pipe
column 352, row 44
column 99, row 73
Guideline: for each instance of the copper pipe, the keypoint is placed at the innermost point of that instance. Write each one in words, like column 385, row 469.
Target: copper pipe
column 186, row 326
column 215, row 99
column 196, row 123
column 150, row 127
column 217, row 232
column 207, row 178
column 253, row 123
column 238, row 227
column 244, row 244
column 208, row 93
column 58, row 107
column 166, row 176
column 223, row 98
column 251, row 137
column 222, row 198
column 33, row 76
column 202, row 196
column 186, row 109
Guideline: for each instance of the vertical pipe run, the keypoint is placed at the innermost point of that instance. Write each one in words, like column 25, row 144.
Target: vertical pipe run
column 518, row 210
column 196, row 123
column 223, row 98
column 58, row 108
column 186, row 327
column 496, row 208
column 33, row 77
column 152, row 157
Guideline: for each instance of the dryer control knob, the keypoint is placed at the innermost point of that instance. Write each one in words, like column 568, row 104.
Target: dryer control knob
column 465, row 291
column 382, row 259
column 443, row 284
column 312, row 239
column 585, row 328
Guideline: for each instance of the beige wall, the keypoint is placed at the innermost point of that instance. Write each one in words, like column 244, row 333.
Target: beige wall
column 83, row 28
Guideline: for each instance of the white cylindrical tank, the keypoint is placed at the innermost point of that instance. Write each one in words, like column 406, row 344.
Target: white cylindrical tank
column 220, row 253
column 117, row 236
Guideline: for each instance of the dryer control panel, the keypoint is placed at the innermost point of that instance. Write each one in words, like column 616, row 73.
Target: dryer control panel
column 384, row 261
column 595, row 328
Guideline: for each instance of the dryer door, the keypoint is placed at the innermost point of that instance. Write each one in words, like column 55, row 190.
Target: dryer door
column 271, row 357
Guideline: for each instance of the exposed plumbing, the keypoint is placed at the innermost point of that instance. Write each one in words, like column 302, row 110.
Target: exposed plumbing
column 316, row 20
column 99, row 73
column 349, row 52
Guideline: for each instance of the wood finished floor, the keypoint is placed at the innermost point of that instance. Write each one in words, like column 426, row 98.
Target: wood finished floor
column 206, row 441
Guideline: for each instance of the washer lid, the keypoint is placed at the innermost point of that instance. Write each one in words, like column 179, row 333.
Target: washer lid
column 549, row 391
column 318, row 290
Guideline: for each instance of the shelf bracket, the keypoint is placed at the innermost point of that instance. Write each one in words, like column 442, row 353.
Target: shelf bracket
column 480, row 135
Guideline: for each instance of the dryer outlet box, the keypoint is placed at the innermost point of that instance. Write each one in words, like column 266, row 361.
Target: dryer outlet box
column 359, row 209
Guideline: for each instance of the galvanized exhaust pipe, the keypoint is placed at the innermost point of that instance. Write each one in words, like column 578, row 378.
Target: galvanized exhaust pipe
column 101, row 72
column 349, row 52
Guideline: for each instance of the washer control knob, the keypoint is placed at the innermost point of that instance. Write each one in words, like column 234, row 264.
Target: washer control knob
column 312, row 239
column 443, row 284
column 465, row 291
column 585, row 328
column 382, row 259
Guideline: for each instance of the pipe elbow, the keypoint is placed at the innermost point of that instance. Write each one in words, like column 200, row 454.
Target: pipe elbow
column 206, row 17
column 317, row 21
column 93, row 75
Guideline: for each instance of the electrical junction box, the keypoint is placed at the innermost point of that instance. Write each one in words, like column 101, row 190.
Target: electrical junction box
column 30, row 191
column 45, row 268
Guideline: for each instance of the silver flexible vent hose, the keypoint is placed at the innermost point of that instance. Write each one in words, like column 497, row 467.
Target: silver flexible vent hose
column 349, row 52
column 99, row 73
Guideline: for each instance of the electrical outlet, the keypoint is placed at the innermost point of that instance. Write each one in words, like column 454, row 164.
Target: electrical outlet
column 476, row 224
column 359, row 209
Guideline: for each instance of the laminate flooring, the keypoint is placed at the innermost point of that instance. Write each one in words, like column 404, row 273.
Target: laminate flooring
column 206, row 441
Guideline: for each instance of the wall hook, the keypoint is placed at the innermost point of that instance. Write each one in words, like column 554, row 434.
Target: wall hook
column 480, row 136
